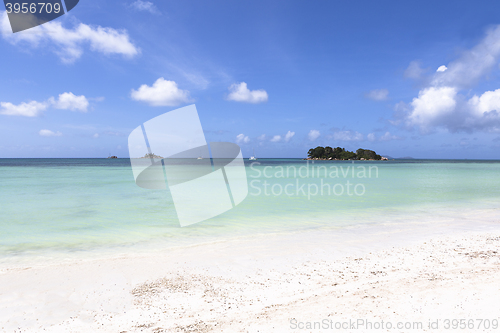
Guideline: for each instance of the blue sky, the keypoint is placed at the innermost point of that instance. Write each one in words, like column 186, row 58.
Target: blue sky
column 277, row 76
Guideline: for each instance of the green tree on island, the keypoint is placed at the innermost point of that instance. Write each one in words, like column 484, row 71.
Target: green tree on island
column 339, row 153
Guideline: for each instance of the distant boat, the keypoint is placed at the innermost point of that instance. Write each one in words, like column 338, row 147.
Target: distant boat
column 199, row 157
column 253, row 158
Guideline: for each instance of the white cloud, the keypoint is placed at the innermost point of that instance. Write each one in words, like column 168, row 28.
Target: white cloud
column 442, row 105
column 414, row 71
column 289, row 135
column 48, row 133
column 161, row 93
column 146, row 6
column 432, row 104
column 241, row 138
column 68, row 101
column 389, row 137
column 348, row 136
column 473, row 64
column 313, row 135
column 196, row 79
column 442, row 68
column 488, row 101
column 378, row 94
column 30, row 109
column 69, row 44
column 276, row 138
column 95, row 136
column 239, row 92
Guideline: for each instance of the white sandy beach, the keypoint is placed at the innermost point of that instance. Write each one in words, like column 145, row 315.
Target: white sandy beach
column 276, row 283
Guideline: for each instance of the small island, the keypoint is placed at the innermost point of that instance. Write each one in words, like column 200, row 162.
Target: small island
column 151, row 155
column 336, row 154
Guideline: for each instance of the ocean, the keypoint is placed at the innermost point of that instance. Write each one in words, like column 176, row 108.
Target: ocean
column 55, row 209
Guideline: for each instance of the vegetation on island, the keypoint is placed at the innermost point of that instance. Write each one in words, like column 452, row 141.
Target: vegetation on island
column 151, row 155
column 329, row 153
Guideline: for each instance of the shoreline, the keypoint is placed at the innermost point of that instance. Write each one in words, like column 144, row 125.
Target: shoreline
column 345, row 232
column 261, row 283
column 345, row 228
column 407, row 224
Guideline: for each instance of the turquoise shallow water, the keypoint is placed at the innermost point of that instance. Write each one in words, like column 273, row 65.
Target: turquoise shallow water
column 82, row 205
